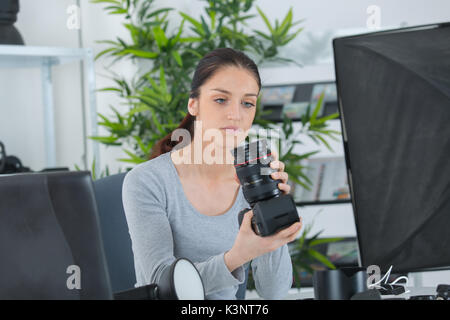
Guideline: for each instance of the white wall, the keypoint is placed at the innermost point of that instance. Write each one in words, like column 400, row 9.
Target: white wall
column 43, row 23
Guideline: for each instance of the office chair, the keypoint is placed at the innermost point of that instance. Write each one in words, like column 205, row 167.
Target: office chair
column 48, row 225
column 116, row 238
column 115, row 235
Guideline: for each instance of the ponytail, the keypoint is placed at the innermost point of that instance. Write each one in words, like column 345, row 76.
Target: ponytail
column 166, row 144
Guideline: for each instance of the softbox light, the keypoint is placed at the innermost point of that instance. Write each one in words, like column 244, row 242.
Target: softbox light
column 394, row 101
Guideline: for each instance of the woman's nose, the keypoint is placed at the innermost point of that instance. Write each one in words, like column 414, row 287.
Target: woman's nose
column 234, row 112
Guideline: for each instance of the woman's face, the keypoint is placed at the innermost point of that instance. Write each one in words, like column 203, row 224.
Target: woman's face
column 227, row 99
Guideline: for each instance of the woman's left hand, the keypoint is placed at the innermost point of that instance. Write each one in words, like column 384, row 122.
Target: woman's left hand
column 280, row 174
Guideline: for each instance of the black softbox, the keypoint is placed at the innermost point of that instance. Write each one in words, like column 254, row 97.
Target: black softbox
column 394, row 100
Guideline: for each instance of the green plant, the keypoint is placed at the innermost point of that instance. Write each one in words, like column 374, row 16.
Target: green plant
column 303, row 255
column 97, row 175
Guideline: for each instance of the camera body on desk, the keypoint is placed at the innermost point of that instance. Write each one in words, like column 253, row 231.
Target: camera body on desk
column 272, row 210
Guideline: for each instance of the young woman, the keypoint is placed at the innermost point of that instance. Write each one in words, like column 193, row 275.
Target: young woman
column 179, row 206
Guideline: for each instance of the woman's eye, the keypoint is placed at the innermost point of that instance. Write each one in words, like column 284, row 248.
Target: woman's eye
column 219, row 101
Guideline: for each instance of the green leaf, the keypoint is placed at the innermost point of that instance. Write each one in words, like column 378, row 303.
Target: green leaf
column 138, row 109
column 324, row 142
column 144, row 149
column 162, row 79
column 212, row 16
column 285, row 25
column 195, row 53
column 101, row 53
column 265, row 36
column 287, row 39
column 317, row 108
column 119, row 11
column 191, row 39
column 156, row 122
column 176, row 39
column 205, row 28
column 177, row 58
column 110, row 89
column 321, row 258
column 106, row 1
column 106, row 140
column 266, row 21
column 141, row 53
column 198, row 25
column 156, row 12
column 160, row 37
column 133, row 158
column 329, row 117
column 324, row 240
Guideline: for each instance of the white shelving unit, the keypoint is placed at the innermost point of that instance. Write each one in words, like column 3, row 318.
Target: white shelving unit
column 45, row 58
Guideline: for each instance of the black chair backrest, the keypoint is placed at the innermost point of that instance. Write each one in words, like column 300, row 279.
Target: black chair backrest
column 49, row 225
column 114, row 227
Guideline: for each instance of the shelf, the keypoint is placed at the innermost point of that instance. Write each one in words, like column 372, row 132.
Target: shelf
column 17, row 56
column 44, row 58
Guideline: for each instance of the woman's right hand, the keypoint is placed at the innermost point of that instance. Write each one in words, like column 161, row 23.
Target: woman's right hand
column 248, row 245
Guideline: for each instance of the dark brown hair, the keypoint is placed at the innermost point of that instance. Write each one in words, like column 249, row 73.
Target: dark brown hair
column 207, row 66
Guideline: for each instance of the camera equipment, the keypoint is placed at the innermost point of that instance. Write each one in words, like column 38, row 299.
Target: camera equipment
column 10, row 164
column 179, row 281
column 272, row 210
column 341, row 284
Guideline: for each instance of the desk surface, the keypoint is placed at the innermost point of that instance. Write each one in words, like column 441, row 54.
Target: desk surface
column 308, row 293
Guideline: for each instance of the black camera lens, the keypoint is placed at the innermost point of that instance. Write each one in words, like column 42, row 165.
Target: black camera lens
column 252, row 164
column 272, row 210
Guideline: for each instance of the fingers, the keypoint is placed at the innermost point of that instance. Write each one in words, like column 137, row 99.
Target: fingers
column 283, row 176
column 278, row 165
column 247, row 221
column 289, row 232
column 284, row 187
column 294, row 235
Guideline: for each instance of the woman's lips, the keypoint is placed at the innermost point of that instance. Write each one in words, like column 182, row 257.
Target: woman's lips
column 231, row 129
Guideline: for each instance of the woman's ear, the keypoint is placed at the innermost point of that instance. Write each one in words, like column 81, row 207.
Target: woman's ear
column 193, row 106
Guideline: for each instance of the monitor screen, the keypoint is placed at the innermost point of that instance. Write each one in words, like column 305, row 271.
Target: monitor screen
column 394, row 100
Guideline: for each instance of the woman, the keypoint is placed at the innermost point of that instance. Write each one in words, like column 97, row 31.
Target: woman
column 179, row 206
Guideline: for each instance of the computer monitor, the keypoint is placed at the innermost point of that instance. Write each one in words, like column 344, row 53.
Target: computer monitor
column 394, row 101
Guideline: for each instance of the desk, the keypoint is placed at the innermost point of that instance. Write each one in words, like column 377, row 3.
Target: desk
column 308, row 293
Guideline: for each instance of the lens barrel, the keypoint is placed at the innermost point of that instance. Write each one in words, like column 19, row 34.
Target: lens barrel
column 252, row 164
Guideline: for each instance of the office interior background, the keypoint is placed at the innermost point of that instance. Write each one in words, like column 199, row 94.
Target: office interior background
column 45, row 23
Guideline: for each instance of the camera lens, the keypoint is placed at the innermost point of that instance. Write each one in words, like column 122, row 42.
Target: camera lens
column 252, row 164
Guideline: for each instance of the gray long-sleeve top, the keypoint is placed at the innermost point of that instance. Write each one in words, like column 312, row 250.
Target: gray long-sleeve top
column 164, row 225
